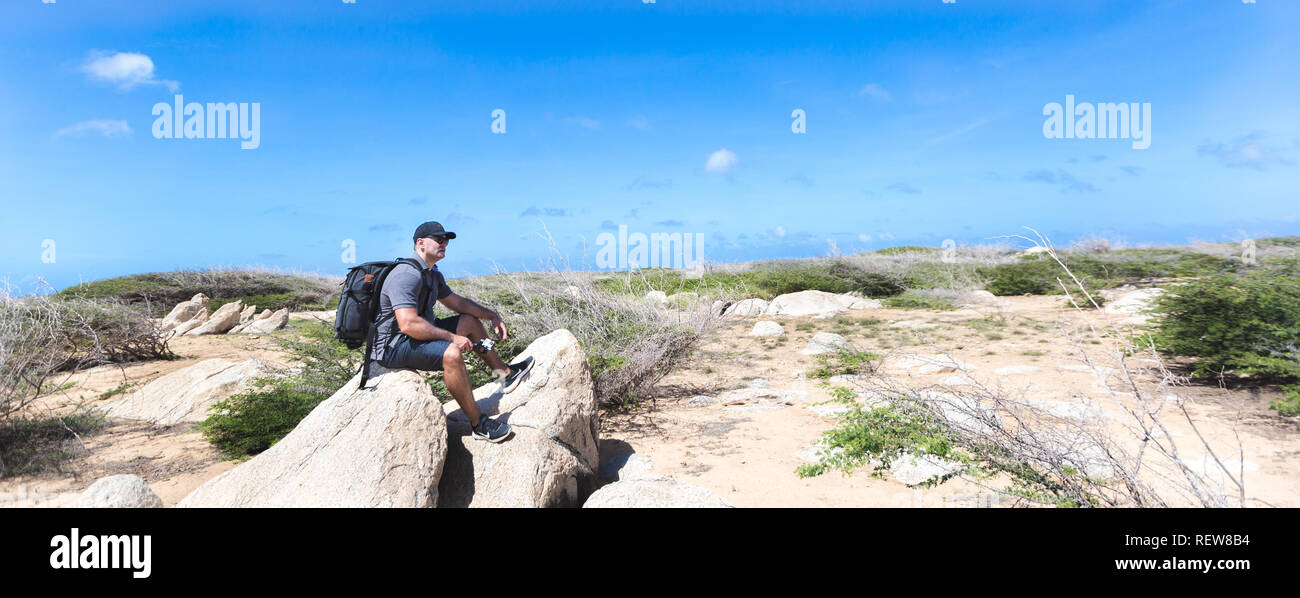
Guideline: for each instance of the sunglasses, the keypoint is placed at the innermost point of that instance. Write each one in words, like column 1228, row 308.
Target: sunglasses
column 440, row 239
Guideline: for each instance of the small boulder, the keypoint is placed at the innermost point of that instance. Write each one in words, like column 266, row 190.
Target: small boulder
column 826, row 342
column 119, row 492
column 654, row 493
column 657, row 297
column 747, row 308
column 918, row 469
column 978, row 297
column 816, row 303
column 767, row 328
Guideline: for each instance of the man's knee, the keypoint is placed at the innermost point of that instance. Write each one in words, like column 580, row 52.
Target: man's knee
column 451, row 356
column 470, row 326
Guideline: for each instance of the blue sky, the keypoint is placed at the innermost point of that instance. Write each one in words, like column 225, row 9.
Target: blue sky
column 923, row 123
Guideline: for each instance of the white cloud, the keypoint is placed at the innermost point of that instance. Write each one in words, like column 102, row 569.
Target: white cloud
column 779, row 231
column 876, row 91
column 640, row 122
column 124, row 69
column 864, row 237
column 721, row 161
column 107, row 128
column 584, row 122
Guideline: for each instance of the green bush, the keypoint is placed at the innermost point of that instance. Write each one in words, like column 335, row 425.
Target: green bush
column 250, row 422
column 844, row 362
column 879, row 435
column 34, row 445
column 1289, row 403
column 1248, row 324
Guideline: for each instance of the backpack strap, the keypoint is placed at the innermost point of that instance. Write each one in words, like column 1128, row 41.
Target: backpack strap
column 373, row 333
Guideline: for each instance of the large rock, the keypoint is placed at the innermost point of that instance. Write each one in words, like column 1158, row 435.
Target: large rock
column 655, row 492
column 816, row 303
column 746, row 308
column 185, row 395
column 657, row 297
column 275, row 321
column 381, row 446
column 186, row 311
column 552, row 458
column 119, row 492
column 220, row 321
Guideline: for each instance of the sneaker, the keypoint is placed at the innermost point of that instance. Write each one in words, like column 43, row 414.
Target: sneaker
column 490, row 430
column 516, row 375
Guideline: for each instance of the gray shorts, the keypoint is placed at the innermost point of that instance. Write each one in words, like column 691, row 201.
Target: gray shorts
column 405, row 352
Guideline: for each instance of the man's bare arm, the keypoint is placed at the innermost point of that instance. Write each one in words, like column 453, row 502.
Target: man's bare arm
column 462, row 305
column 420, row 329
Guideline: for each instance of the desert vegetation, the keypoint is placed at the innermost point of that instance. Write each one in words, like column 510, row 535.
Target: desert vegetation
column 157, row 292
column 1228, row 319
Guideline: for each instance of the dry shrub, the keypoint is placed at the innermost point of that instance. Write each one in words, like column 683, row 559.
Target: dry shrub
column 42, row 336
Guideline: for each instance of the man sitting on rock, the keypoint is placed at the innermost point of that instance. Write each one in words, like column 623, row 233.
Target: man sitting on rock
column 425, row 343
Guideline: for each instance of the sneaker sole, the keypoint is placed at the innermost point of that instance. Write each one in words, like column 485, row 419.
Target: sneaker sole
column 486, row 439
column 519, row 379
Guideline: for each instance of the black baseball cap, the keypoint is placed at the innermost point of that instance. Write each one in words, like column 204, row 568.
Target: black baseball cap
column 430, row 229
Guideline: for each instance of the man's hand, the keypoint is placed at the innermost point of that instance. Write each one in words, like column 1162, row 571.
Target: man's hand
column 499, row 327
column 463, row 343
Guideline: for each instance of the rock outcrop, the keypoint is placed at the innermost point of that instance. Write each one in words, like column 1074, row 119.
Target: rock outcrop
column 186, row 311
column 119, row 492
column 272, row 322
column 185, row 395
column 381, row 446
column 221, row 321
column 552, row 458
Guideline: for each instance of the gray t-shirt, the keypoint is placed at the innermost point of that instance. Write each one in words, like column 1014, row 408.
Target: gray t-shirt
column 402, row 289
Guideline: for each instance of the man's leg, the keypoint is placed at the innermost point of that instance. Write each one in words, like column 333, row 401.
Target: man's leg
column 433, row 356
column 472, row 328
column 456, row 378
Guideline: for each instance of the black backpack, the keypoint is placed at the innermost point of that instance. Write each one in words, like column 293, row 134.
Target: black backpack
column 354, row 322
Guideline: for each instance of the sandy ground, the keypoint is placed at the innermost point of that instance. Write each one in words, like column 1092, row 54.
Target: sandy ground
column 746, row 453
